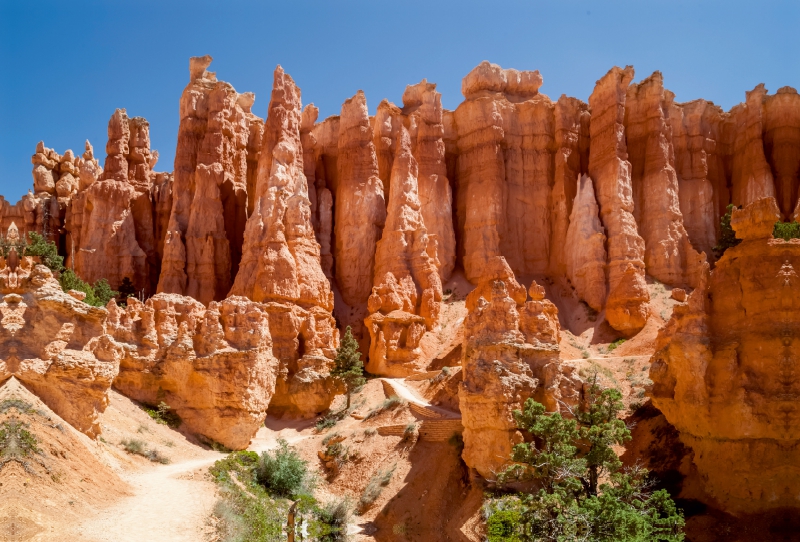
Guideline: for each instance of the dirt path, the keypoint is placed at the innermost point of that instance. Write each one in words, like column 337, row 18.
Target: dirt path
column 402, row 390
column 168, row 506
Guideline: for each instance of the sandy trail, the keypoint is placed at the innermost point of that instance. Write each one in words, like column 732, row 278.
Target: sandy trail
column 403, row 391
column 167, row 506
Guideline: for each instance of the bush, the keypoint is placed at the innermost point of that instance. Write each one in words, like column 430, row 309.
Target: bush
column 139, row 447
column 786, row 230
column 333, row 517
column 613, row 346
column 164, row 415
column 347, row 367
column 388, row 404
column 156, row 456
column 727, row 237
column 283, row 472
column 45, row 250
column 583, row 492
column 98, row 295
column 16, row 441
column 374, row 488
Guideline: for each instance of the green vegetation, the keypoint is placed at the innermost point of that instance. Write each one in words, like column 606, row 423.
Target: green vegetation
column 727, row 237
column 582, row 492
column 16, row 441
column 347, row 367
column 374, row 488
column 249, row 510
column 389, row 403
column 613, row 346
column 163, row 415
column 283, row 472
column 126, row 289
column 139, row 447
column 786, row 230
column 45, row 250
column 97, row 295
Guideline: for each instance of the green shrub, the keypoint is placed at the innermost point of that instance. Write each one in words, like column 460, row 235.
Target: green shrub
column 135, row 446
column 156, row 456
column 16, row 441
column 388, row 404
column 164, row 415
column 613, row 346
column 374, row 488
column 45, row 250
column 98, row 295
column 333, row 517
column 727, row 237
column 583, row 491
column 786, row 230
column 283, row 472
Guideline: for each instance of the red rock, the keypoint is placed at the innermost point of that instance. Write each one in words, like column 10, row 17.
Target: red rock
column 627, row 300
column 584, row 251
column 782, row 145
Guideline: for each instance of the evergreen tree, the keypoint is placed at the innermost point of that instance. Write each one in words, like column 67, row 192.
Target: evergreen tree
column 727, row 237
column 46, row 250
column 348, row 366
column 126, row 289
column 583, row 493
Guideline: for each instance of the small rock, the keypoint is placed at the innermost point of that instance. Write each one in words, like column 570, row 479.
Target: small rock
column 679, row 294
column 80, row 296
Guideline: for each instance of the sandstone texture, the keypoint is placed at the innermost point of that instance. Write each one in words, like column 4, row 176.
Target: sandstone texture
column 627, row 300
column 281, row 261
column 405, row 301
column 56, row 345
column 724, row 370
column 213, row 366
column 511, row 354
column 218, row 144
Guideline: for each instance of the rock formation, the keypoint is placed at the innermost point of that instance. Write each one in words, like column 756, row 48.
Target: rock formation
column 724, row 369
column 407, row 292
column 53, row 343
column 213, row 366
column 360, row 208
column 511, row 355
column 699, row 165
column 281, row 257
column 218, row 137
column 505, row 131
column 584, row 247
column 669, row 255
column 751, row 176
column 627, row 300
column 782, row 145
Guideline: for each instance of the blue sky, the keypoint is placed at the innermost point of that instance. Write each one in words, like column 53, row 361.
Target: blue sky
column 67, row 65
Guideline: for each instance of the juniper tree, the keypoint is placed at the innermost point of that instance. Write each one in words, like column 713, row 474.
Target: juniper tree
column 348, row 367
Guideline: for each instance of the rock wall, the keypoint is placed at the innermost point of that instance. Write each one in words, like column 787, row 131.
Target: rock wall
column 724, row 370
column 213, row 366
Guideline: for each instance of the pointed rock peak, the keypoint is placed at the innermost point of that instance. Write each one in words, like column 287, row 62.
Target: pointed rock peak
column 197, row 67
column 309, row 118
column 622, row 76
column 246, row 101
column 757, row 94
column 414, row 94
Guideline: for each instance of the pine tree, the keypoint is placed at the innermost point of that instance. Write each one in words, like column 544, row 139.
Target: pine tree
column 126, row 289
column 348, row 366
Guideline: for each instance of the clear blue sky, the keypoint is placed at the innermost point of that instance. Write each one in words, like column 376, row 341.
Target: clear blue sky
column 65, row 66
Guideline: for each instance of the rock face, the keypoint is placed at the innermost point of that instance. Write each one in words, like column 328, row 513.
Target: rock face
column 56, row 345
column 724, row 370
column 407, row 292
column 782, row 145
column 505, row 170
column 213, row 366
column 669, row 255
column 585, row 251
column 281, row 261
column 111, row 220
column 751, row 176
column 627, row 300
column 699, row 164
column 511, row 355
column 218, row 142
column 360, row 208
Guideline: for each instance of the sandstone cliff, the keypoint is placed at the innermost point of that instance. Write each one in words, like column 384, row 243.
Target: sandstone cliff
column 723, row 370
